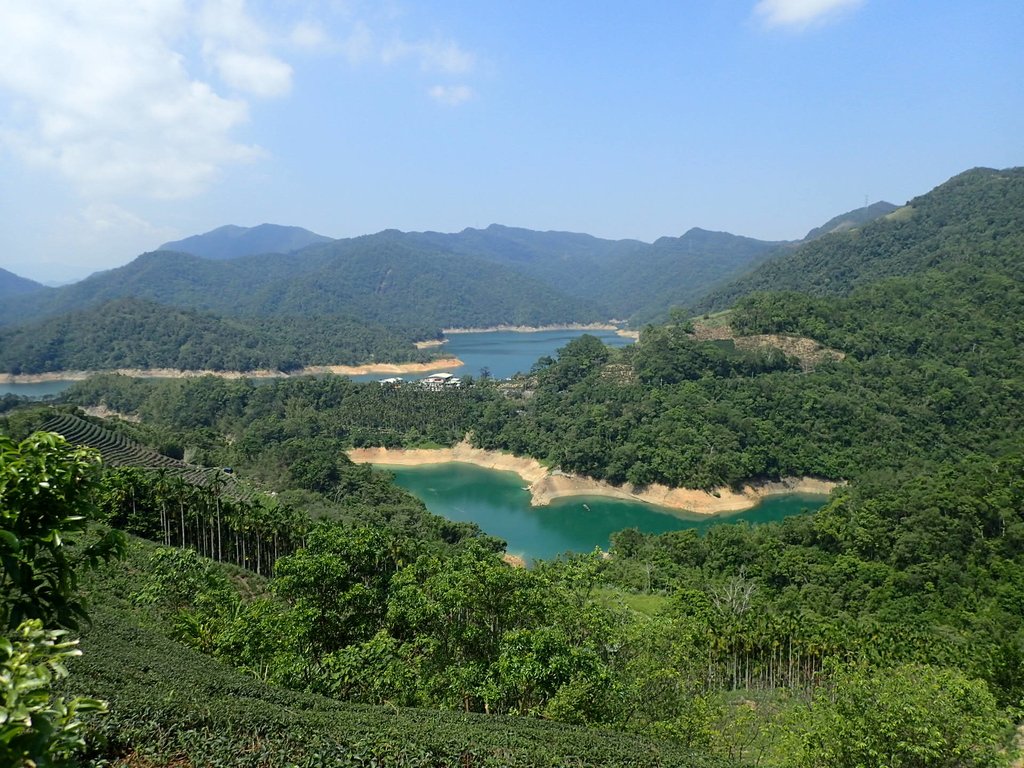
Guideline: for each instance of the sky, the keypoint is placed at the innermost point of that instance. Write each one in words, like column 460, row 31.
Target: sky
column 127, row 124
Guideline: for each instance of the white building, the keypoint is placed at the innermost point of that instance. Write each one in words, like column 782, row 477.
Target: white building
column 438, row 381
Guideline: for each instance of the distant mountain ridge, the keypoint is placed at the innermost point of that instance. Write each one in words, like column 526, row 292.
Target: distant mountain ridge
column 851, row 219
column 417, row 282
column 379, row 279
column 628, row 279
column 231, row 242
column 252, row 289
column 16, row 285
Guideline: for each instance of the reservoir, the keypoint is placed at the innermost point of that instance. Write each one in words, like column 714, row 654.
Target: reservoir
column 41, row 389
column 506, row 353
column 498, row 503
column 503, row 353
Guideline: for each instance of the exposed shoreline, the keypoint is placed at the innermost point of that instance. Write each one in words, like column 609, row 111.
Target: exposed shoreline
column 174, row 373
column 546, row 485
column 619, row 331
column 535, row 328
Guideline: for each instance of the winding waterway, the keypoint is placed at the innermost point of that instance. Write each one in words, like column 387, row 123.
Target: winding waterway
column 500, row 505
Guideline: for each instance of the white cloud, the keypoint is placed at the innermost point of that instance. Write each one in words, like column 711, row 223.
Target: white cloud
column 227, row 22
column 442, row 56
column 308, row 35
column 102, row 91
column 101, row 220
column 364, row 44
column 452, row 95
column 799, row 14
column 237, row 47
column 258, row 74
column 96, row 236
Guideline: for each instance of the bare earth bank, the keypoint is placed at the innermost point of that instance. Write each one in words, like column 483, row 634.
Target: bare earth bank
column 173, row 373
column 535, row 328
column 545, row 485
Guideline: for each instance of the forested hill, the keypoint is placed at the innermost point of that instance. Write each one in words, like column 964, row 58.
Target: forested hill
column 230, row 242
column 975, row 216
column 675, row 271
column 851, row 219
column 381, row 282
column 417, row 281
column 15, row 285
column 626, row 278
column 135, row 333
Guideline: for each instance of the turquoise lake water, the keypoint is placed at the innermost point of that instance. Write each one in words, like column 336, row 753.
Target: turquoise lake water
column 500, row 505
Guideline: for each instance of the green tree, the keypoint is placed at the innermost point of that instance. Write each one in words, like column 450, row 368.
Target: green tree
column 45, row 487
column 338, row 584
column 36, row 728
column 45, row 497
column 911, row 716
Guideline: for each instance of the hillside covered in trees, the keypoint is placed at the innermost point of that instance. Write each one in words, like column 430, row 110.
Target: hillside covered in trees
column 973, row 216
column 885, row 629
column 282, row 297
column 138, row 333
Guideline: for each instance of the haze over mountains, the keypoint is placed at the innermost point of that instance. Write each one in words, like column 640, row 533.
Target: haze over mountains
column 15, row 285
column 405, row 286
column 229, row 242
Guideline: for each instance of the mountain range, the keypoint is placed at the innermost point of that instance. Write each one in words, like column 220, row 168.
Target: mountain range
column 410, row 285
column 230, row 242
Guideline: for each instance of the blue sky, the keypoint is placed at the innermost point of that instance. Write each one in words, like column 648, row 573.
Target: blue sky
column 123, row 125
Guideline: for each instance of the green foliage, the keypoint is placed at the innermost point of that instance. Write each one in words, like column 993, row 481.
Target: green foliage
column 916, row 567
column 912, row 574
column 45, row 487
column 933, row 370
column 669, row 354
column 338, row 584
column 37, row 728
column 307, row 304
column 906, row 717
column 135, row 333
column 972, row 219
column 167, row 701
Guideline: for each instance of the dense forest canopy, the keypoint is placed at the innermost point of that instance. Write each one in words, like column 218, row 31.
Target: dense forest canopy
column 136, row 333
column 382, row 280
column 885, row 629
column 972, row 219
